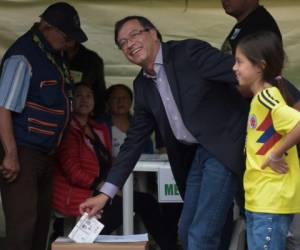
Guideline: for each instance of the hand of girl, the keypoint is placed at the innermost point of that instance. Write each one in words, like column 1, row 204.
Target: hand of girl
column 277, row 165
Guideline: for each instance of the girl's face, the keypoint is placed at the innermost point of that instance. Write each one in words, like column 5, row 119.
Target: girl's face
column 119, row 102
column 83, row 103
column 247, row 73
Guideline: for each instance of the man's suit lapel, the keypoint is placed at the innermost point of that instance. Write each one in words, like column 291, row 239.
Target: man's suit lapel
column 170, row 72
column 154, row 97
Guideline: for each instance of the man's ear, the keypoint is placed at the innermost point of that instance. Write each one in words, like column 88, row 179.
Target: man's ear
column 153, row 33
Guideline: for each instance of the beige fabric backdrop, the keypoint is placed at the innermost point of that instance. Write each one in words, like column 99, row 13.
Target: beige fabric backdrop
column 203, row 19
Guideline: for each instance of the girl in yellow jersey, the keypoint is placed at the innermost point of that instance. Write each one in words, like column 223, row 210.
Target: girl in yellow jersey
column 272, row 177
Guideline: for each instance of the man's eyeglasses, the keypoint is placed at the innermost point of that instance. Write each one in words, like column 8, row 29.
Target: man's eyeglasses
column 132, row 36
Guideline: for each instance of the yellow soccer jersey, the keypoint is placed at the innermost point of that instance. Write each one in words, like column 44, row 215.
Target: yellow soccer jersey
column 270, row 119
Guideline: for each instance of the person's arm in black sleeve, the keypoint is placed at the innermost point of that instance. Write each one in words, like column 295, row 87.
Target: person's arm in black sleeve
column 159, row 144
column 212, row 64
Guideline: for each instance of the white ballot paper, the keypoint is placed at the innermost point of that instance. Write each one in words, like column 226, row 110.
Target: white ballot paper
column 122, row 238
column 86, row 229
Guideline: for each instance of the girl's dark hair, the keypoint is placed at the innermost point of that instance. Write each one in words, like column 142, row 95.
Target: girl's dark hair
column 112, row 88
column 146, row 24
column 265, row 50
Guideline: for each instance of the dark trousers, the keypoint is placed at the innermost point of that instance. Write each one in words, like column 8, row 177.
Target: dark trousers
column 171, row 213
column 27, row 201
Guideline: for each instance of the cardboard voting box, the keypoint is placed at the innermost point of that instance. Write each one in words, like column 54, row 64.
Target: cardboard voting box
column 99, row 246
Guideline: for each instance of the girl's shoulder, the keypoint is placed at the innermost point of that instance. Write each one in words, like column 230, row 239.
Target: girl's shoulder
column 270, row 97
column 271, row 92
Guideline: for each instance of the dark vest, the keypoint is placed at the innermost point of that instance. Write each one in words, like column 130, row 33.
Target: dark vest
column 46, row 113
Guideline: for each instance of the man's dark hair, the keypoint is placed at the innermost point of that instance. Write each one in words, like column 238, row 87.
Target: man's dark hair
column 146, row 23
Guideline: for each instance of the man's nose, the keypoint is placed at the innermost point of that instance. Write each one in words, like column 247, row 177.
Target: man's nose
column 130, row 43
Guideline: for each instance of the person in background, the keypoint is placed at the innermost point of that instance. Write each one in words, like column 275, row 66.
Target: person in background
column 119, row 99
column 84, row 159
column 34, row 111
column 251, row 17
column 84, row 162
column 272, row 176
column 86, row 66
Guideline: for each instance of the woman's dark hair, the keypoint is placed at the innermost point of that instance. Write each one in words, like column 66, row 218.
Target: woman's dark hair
column 146, row 23
column 110, row 91
column 81, row 84
column 112, row 88
column 265, row 50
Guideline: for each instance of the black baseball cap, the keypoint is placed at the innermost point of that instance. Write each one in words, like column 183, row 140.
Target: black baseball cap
column 64, row 17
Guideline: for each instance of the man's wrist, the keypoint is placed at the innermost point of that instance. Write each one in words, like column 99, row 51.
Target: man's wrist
column 106, row 196
column 109, row 189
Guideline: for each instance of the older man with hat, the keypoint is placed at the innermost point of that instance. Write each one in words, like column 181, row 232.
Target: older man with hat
column 34, row 111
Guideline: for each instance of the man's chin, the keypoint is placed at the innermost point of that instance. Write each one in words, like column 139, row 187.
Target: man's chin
column 136, row 61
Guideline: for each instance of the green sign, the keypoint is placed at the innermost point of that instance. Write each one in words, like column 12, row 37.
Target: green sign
column 171, row 189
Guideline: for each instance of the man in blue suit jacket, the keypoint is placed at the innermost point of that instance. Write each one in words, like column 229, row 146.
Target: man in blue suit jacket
column 188, row 90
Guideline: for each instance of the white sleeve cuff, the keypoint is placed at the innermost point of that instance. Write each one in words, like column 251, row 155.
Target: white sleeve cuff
column 109, row 189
